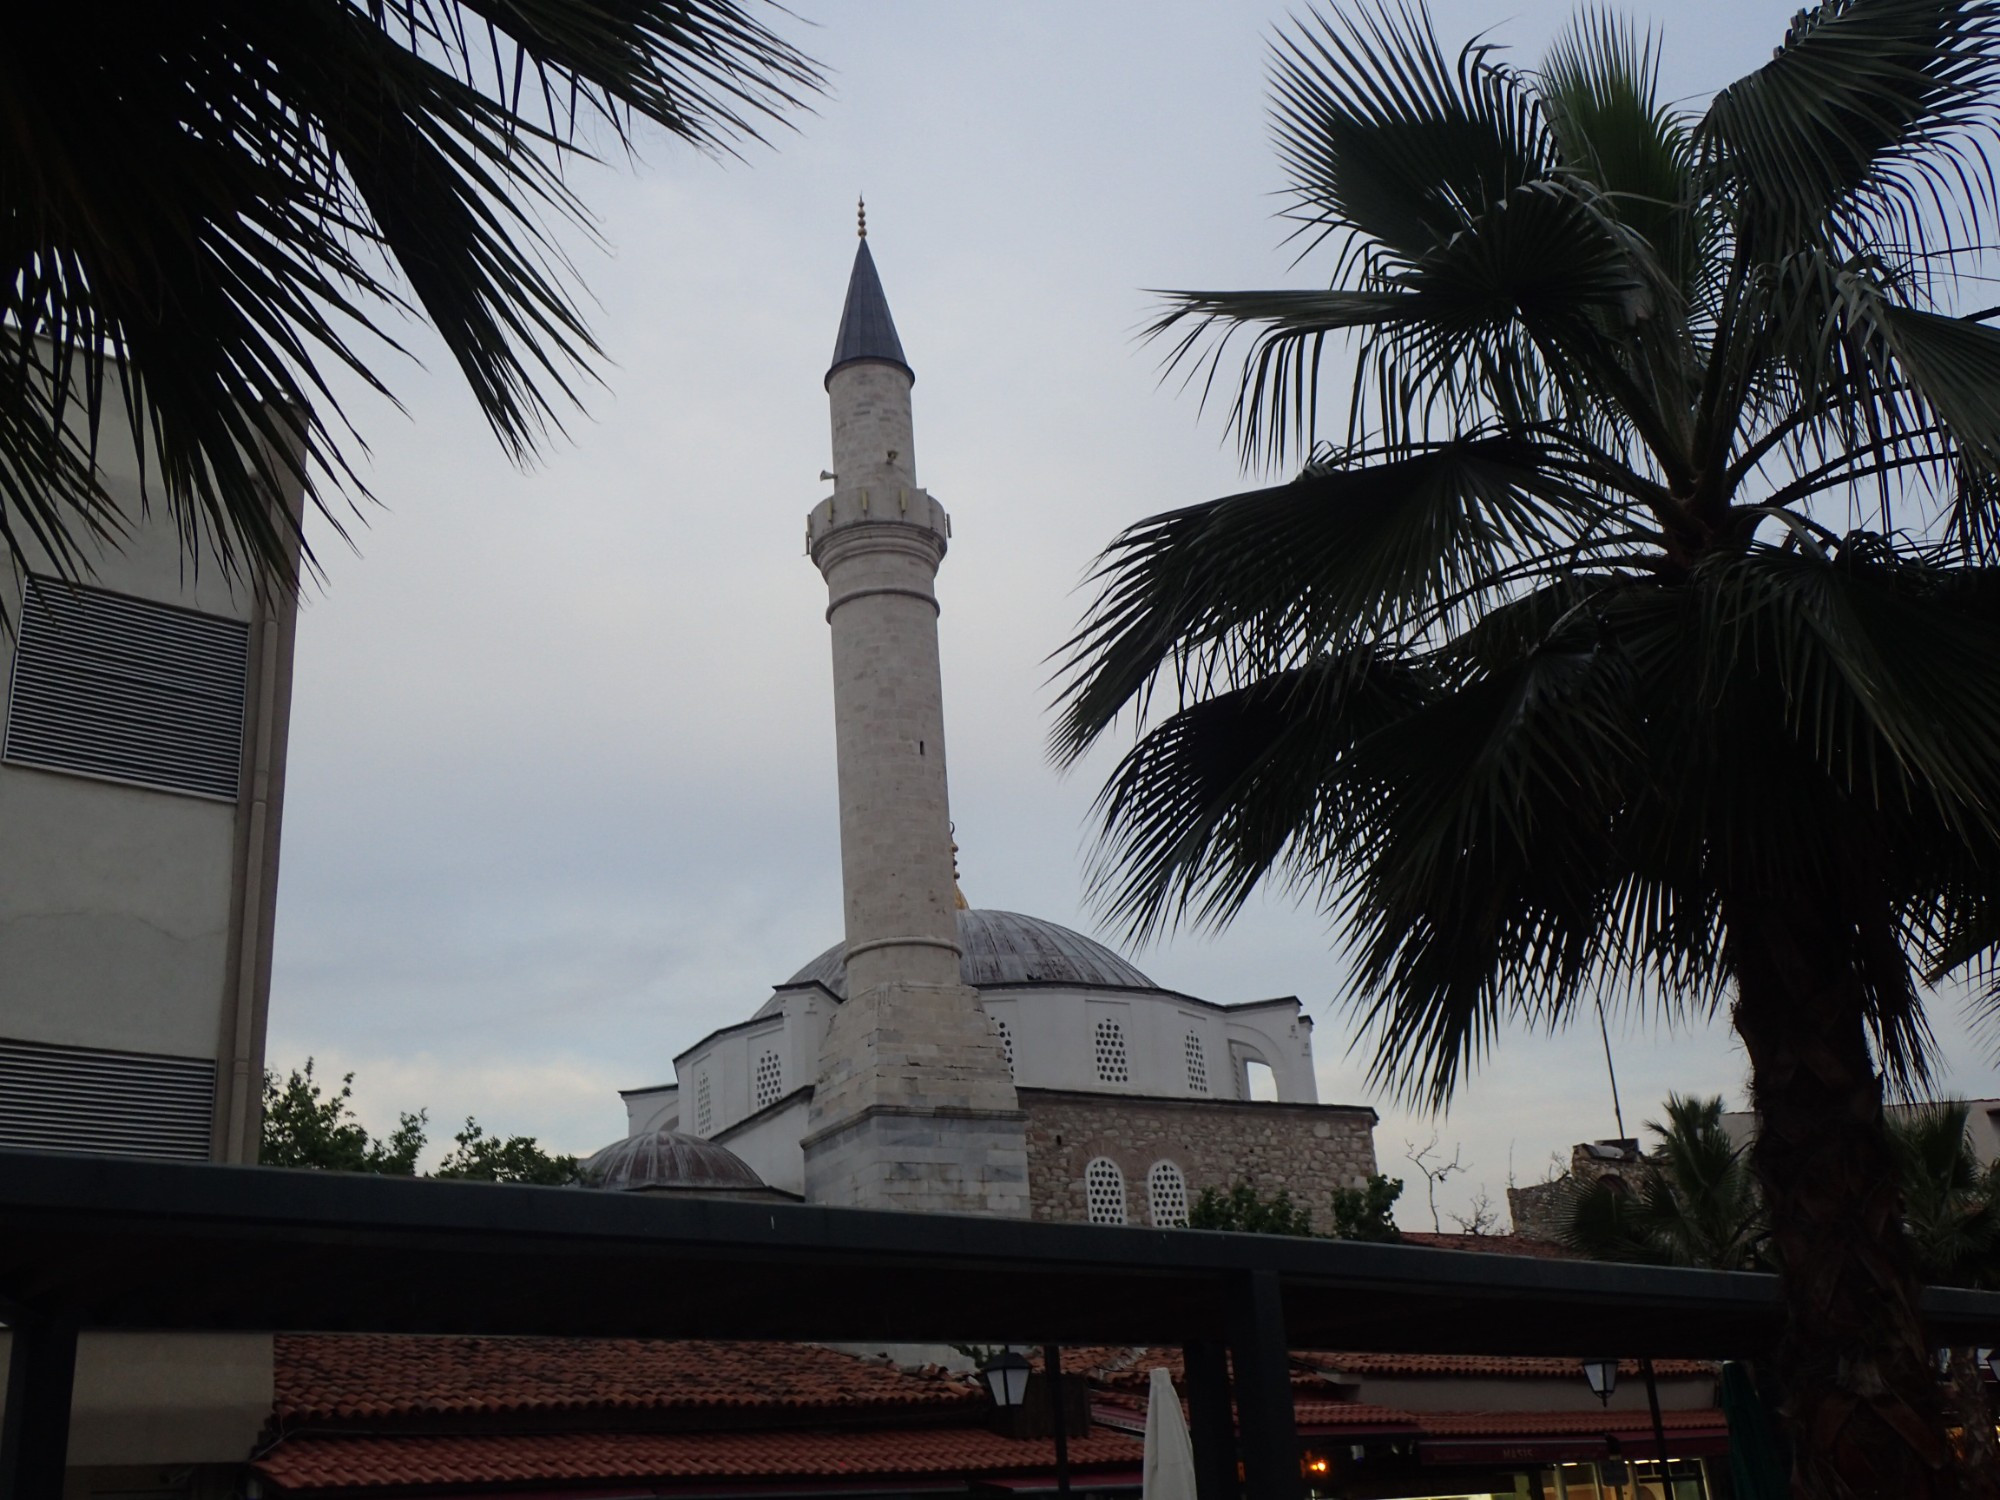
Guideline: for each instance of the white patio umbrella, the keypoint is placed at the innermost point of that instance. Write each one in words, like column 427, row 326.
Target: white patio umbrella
column 1169, row 1467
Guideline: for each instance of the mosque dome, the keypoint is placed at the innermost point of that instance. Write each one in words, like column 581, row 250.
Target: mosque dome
column 668, row 1161
column 1001, row 948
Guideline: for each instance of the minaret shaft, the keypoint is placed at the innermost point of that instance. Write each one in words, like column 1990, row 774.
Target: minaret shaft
column 914, row 1106
column 878, row 542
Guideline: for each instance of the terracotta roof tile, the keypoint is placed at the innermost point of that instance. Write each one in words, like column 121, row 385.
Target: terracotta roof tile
column 1113, row 1368
column 1519, row 1366
column 325, row 1463
column 1493, row 1244
column 342, row 1377
column 1318, row 1415
column 1589, row 1423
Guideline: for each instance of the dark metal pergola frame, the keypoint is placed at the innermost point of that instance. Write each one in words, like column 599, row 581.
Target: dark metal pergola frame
column 89, row 1243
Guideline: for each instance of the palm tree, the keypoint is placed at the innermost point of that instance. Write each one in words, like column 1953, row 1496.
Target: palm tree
column 1692, row 1202
column 1951, row 1207
column 207, row 209
column 1638, row 633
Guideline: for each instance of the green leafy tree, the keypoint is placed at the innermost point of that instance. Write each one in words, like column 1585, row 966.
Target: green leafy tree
column 1639, row 632
column 210, row 209
column 305, row 1127
column 1692, row 1201
column 480, row 1157
column 1243, row 1211
column 1369, row 1211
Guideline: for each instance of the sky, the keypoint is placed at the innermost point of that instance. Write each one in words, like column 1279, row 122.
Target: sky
column 561, row 788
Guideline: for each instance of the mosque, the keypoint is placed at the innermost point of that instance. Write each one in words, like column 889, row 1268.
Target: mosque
column 945, row 1058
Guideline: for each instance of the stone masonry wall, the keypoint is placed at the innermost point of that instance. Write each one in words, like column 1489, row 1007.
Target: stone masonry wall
column 1306, row 1149
column 1541, row 1210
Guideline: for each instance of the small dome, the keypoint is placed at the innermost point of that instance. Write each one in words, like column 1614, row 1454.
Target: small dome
column 666, row 1160
column 1003, row 947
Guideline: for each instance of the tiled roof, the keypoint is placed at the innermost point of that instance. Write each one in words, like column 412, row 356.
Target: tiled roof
column 1318, row 1415
column 1492, row 1244
column 1121, row 1367
column 326, row 1463
column 1517, row 1366
column 1588, row 1423
column 348, row 1377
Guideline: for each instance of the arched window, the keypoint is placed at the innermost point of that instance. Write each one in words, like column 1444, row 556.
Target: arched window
column 1006, row 1042
column 770, row 1079
column 1111, row 1067
column 704, row 1110
column 1197, row 1063
column 1104, row 1192
column 1166, row 1195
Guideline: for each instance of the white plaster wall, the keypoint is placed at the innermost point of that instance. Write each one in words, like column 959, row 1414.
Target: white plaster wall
column 770, row 1146
column 1279, row 1035
column 1054, row 1036
column 650, row 1110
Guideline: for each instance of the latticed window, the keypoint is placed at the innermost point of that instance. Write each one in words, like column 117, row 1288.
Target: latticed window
column 1166, row 1195
column 1006, row 1042
column 704, row 1106
column 1197, row 1065
column 1104, row 1192
column 770, row 1079
column 1111, row 1066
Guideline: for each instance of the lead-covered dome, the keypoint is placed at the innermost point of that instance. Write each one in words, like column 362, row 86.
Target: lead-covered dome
column 1001, row 948
column 668, row 1161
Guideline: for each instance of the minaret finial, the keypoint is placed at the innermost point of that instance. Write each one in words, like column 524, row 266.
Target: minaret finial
column 861, row 217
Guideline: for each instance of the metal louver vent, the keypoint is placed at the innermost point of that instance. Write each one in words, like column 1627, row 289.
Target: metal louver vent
column 127, row 689
column 122, row 1103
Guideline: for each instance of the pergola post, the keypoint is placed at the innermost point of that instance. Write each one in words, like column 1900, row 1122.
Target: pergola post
column 1264, row 1390
column 34, row 1435
column 1210, row 1422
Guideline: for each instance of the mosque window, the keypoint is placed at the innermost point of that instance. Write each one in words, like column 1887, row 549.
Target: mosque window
column 1006, row 1042
column 704, row 1106
column 1167, row 1196
column 1197, row 1065
column 770, row 1079
column 1104, row 1192
column 1111, row 1067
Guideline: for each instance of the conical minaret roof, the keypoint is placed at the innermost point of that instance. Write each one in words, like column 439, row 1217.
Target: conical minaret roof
column 866, row 329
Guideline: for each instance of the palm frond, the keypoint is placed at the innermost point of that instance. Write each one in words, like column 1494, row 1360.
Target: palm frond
column 1600, row 87
column 1869, row 121
column 1242, row 782
column 1258, row 582
column 211, row 210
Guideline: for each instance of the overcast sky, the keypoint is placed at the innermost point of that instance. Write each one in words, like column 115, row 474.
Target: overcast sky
column 561, row 792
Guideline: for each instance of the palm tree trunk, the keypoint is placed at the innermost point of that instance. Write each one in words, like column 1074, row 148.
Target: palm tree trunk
column 1979, row 1445
column 1861, row 1402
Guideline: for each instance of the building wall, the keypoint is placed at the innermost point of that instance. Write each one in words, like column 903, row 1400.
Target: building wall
column 135, row 920
column 1306, row 1149
column 1171, row 1046
column 165, row 1398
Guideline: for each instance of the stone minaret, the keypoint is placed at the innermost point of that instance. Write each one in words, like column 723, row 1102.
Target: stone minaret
column 914, row 1106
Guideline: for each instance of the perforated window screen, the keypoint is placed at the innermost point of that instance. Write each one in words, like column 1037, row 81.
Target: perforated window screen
column 1006, row 1041
column 1111, row 1065
column 1104, row 1192
column 127, row 689
column 122, row 1103
column 1197, row 1064
column 770, row 1079
column 1167, row 1196
column 704, row 1108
